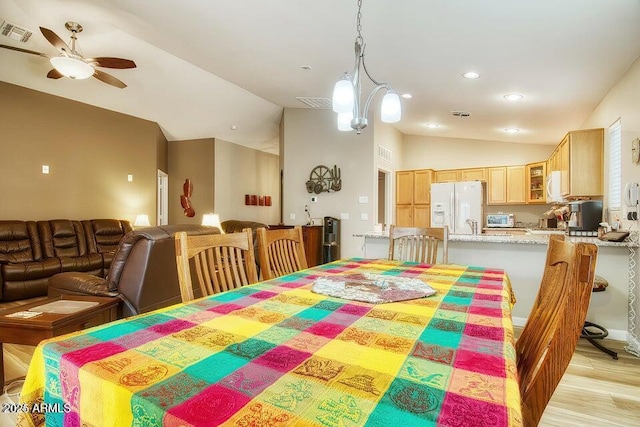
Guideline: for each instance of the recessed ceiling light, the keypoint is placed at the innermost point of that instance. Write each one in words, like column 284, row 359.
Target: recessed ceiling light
column 433, row 125
column 471, row 75
column 305, row 67
column 512, row 130
column 406, row 96
column 513, row 97
column 234, row 127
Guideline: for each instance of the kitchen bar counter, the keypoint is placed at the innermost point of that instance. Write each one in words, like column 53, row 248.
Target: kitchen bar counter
column 533, row 239
column 523, row 257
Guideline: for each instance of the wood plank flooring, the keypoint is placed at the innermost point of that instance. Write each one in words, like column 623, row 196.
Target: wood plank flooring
column 595, row 391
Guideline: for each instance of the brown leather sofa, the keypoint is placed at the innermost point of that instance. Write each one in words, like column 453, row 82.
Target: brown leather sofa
column 143, row 272
column 31, row 252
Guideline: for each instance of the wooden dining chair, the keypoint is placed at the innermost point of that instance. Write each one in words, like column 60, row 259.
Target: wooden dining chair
column 553, row 328
column 280, row 252
column 221, row 262
column 418, row 244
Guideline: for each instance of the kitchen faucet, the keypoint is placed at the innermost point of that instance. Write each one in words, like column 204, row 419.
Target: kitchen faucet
column 473, row 224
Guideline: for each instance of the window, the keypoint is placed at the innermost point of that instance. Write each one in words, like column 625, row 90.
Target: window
column 615, row 166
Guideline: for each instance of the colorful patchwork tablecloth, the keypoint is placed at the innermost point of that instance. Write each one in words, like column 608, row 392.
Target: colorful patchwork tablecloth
column 278, row 354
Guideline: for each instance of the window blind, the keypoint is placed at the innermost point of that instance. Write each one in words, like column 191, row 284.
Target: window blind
column 615, row 165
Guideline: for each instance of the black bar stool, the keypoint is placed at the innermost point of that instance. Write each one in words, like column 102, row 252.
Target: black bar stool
column 592, row 331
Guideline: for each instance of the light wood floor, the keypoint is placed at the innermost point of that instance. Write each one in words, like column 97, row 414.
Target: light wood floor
column 595, row 391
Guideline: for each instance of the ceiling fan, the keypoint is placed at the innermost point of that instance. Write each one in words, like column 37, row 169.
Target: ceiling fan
column 71, row 63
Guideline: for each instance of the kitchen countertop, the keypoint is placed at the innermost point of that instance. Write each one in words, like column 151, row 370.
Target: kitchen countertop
column 535, row 239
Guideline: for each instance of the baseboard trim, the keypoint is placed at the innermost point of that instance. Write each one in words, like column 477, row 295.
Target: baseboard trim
column 614, row 334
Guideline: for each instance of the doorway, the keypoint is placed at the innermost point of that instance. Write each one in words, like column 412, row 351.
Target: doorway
column 163, row 198
column 384, row 197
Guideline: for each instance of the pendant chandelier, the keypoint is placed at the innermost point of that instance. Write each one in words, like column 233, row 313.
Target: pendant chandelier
column 347, row 92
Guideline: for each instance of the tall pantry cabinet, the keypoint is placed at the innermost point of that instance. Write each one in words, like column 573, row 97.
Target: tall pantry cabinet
column 413, row 195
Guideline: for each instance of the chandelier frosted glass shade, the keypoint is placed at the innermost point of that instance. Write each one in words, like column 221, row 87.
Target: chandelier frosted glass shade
column 72, row 67
column 344, row 121
column 343, row 95
column 390, row 110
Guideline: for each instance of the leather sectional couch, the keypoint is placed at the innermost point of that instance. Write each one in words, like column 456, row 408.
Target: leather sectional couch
column 33, row 251
column 143, row 272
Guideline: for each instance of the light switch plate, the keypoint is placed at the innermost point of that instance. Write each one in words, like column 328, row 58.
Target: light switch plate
column 45, row 168
column 344, row 215
column 314, row 199
column 363, row 199
column 292, row 216
column 364, row 217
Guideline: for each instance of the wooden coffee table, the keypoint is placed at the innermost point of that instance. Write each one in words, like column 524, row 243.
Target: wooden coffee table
column 15, row 330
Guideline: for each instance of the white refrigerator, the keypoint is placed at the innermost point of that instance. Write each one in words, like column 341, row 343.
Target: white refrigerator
column 458, row 205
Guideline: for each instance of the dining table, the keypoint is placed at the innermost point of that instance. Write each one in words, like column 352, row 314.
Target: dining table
column 283, row 352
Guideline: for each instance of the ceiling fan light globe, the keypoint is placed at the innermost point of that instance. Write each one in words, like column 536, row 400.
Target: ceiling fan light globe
column 72, row 67
column 390, row 110
column 343, row 95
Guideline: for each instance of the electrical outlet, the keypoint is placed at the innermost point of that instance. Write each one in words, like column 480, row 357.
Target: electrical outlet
column 344, row 216
column 314, row 199
column 364, row 217
column 363, row 199
column 292, row 216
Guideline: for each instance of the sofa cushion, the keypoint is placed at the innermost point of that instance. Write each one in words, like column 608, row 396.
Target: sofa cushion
column 19, row 242
column 66, row 240
column 104, row 235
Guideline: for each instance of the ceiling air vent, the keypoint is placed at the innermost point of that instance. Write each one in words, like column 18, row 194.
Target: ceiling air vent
column 461, row 113
column 14, row 32
column 324, row 103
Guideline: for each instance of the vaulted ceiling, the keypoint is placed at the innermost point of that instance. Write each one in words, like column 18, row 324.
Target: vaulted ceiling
column 204, row 67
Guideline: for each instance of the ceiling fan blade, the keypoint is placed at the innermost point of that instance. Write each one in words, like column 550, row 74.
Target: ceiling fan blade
column 109, row 79
column 108, row 62
column 24, row 50
column 54, row 74
column 53, row 38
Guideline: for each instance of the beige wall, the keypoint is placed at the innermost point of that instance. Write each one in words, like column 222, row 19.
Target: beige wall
column 192, row 159
column 311, row 138
column 390, row 138
column 622, row 102
column 90, row 152
column 240, row 170
column 453, row 153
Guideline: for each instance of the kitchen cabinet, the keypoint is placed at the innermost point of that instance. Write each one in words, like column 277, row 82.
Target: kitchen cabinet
column 456, row 175
column 536, row 182
column 413, row 194
column 422, row 186
column 447, row 176
column 497, row 186
column 515, row 185
column 506, row 185
column 582, row 163
column 404, row 188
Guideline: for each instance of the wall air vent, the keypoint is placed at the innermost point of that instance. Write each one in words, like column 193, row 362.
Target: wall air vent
column 384, row 153
column 323, row 103
column 14, row 32
column 461, row 113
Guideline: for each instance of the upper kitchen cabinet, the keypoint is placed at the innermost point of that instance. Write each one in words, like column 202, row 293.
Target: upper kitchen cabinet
column 582, row 163
column 506, row 185
column 456, row 175
column 515, row 185
column 536, row 180
column 476, row 174
column 404, row 188
column 497, row 186
column 422, row 180
column 447, row 176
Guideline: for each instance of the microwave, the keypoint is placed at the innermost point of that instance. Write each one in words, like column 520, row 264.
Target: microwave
column 500, row 220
